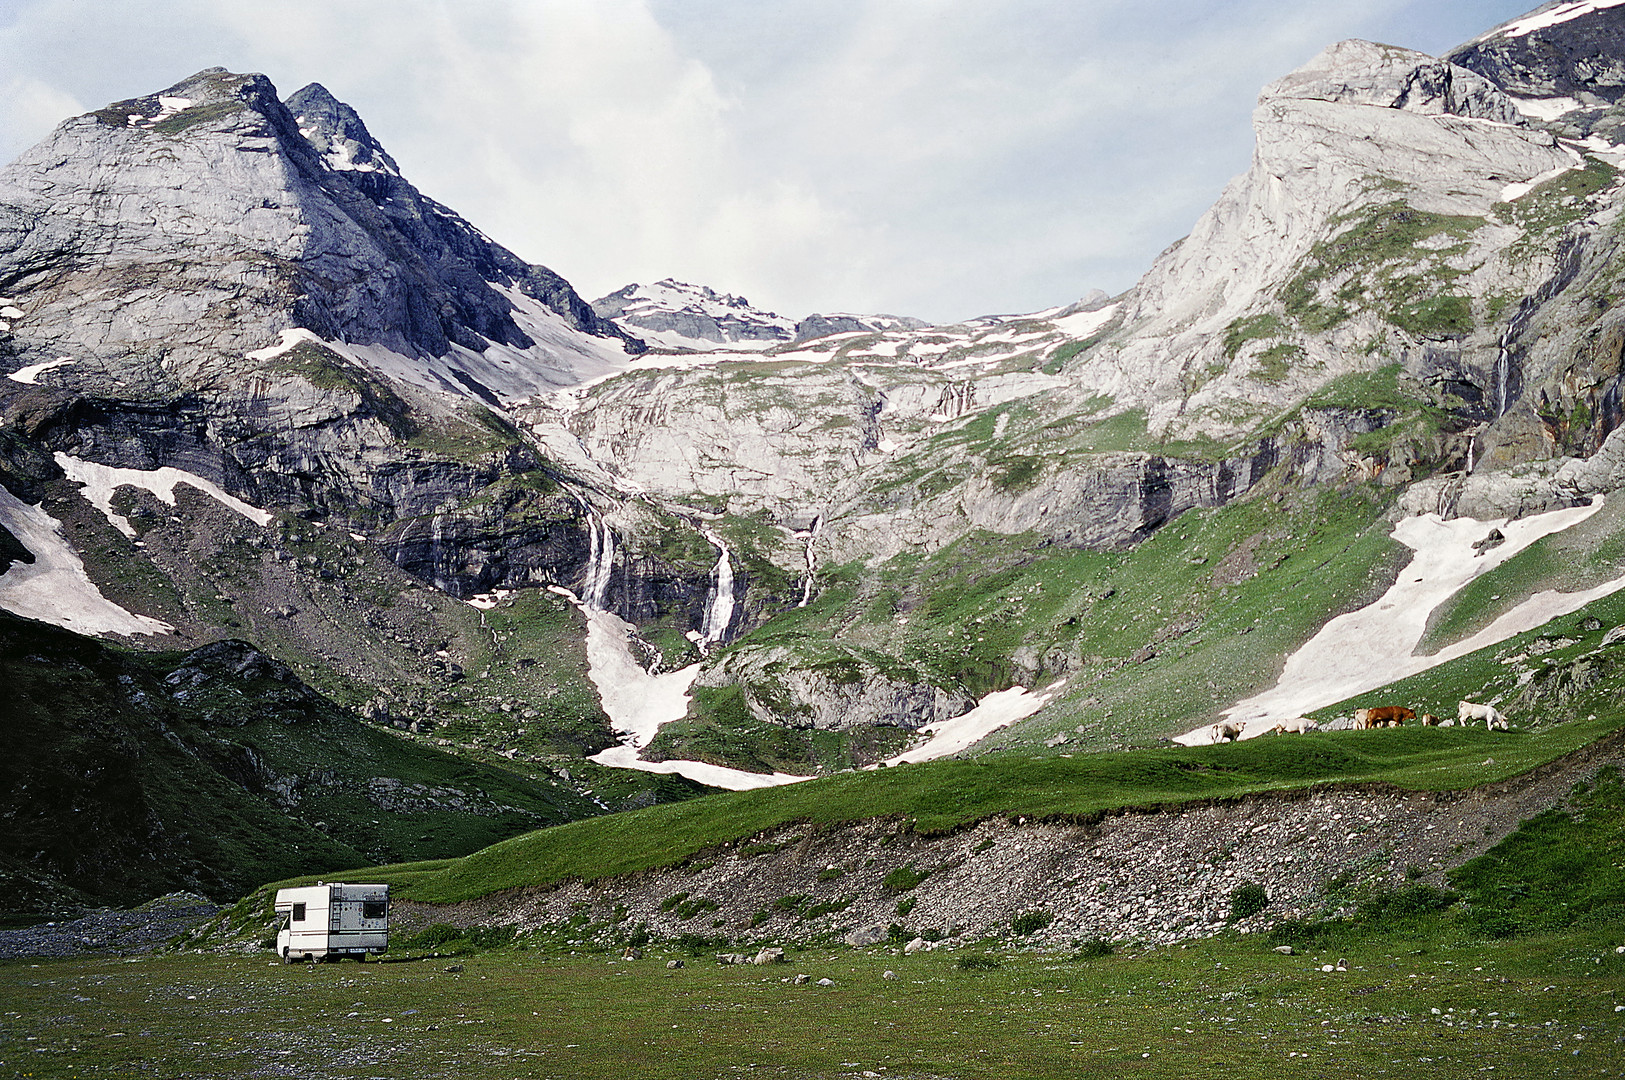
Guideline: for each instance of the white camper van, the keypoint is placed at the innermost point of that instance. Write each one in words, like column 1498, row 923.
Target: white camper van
column 329, row 920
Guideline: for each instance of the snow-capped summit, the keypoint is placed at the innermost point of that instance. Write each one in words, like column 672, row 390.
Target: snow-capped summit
column 337, row 133
column 672, row 314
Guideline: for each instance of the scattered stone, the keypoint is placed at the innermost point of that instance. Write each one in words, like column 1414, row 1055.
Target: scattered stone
column 120, row 933
column 1284, row 950
column 770, row 956
column 826, row 982
column 632, row 953
column 801, row 980
column 916, row 945
column 865, row 936
column 888, row 974
column 455, row 968
column 673, row 964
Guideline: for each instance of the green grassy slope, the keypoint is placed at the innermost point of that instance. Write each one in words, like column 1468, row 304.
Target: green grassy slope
column 1152, row 641
column 940, row 796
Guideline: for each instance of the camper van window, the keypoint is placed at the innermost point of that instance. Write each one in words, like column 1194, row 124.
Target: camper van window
column 373, row 909
column 298, row 913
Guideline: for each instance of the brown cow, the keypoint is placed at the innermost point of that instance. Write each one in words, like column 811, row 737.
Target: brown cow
column 1429, row 720
column 1389, row 716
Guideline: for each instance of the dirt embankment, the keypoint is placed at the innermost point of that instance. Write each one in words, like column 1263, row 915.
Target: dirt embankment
column 1145, row 875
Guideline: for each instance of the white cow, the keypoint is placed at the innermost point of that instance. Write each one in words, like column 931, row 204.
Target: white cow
column 1226, row 731
column 1493, row 720
column 1300, row 725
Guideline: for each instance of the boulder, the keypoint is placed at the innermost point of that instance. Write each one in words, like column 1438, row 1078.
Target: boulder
column 769, row 956
column 865, row 936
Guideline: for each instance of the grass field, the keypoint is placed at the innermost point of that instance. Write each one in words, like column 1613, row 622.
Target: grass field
column 1421, row 1001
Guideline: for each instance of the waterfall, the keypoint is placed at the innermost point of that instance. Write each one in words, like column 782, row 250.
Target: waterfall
column 1503, row 363
column 600, row 562
column 719, row 612
column 1472, row 441
column 812, row 562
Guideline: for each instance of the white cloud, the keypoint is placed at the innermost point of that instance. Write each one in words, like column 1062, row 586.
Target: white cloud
column 932, row 157
column 32, row 107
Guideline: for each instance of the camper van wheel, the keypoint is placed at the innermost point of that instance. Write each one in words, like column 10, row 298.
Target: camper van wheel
column 361, row 958
column 286, row 959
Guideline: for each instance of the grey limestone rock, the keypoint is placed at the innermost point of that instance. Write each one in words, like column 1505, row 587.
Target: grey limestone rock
column 862, row 938
column 1363, row 73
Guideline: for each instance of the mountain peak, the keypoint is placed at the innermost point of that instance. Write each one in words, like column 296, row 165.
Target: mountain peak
column 1357, row 72
column 212, row 98
column 337, row 132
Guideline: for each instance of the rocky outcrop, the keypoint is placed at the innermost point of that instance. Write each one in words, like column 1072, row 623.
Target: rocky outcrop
column 1230, row 323
column 817, row 326
column 1572, row 51
column 842, row 693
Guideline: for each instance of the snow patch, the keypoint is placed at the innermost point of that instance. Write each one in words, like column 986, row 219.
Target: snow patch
column 287, row 341
column 54, row 588
column 1547, row 109
column 32, row 372
column 1514, row 192
column 487, row 601
column 1558, row 15
column 638, row 704
column 997, row 710
column 1375, row 646
column 100, row 481
column 1085, row 323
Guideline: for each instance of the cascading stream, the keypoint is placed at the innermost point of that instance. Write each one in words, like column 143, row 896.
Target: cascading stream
column 1503, row 363
column 600, row 562
column 719, row 612
column 812, row 562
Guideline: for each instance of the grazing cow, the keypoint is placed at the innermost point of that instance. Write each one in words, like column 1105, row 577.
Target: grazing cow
column 1467, row 711
column 1389, row 716
column 1226, row 731
column 1362, row 719
column 1298, row 725
column 1429, row 720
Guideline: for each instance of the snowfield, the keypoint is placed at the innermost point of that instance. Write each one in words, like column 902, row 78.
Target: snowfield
column 54, row 588
column 1375, row 646
column 99, row 482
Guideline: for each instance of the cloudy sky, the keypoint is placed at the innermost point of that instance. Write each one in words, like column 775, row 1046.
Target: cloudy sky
column 938, row 158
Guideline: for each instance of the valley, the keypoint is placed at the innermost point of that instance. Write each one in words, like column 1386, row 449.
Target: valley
column 339, row 540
